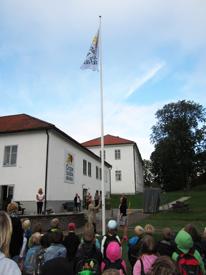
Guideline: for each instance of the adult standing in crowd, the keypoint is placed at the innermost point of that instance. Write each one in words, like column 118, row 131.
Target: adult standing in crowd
column 96, row 198
column 40, row 200
column 92, row 210
column 77, row 202
column 7, row 266
column 17, row 233
column 123, row 221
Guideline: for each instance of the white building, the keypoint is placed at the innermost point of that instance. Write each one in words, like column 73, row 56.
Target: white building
column 126, row 161
column 34, row 154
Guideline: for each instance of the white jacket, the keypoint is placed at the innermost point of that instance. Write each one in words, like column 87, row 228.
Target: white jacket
column 8, row 266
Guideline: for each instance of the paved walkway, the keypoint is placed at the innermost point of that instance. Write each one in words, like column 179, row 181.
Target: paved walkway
column 134, row 215
column 168, row 206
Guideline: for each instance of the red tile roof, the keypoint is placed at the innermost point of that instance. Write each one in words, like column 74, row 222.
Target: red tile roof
column 108, row 140
column 22, row 122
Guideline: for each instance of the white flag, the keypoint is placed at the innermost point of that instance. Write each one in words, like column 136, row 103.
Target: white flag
column 92, row 58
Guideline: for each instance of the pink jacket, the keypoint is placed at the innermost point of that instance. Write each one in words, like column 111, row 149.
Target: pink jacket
column 147, row 260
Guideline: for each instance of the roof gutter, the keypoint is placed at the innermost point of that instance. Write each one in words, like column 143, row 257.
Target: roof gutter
column 46, row 171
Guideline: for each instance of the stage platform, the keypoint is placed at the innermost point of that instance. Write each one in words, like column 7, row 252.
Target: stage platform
column 64, row 217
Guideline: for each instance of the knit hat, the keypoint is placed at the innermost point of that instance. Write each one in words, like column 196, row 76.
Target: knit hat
column 71, row 226
column 139, row 230
column 112, row 224
column 113, row 251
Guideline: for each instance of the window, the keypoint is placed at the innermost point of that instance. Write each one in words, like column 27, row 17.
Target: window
column 118, row 175
column 89, row 169
column 100, row 154
column 117, row 154
column 100, row 173
column 84, row 167
column 97, row 172
column 10, row 155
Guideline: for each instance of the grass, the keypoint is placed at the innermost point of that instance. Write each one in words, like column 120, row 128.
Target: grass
column 196, row 214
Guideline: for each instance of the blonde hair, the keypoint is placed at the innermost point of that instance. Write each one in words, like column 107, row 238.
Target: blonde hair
column 26, row 224
column 35, row 238
column 149, row 229
column 5, row 232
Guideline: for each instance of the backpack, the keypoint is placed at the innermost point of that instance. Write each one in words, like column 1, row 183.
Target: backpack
column 116, row 265
column 39, row 261
column 134, row 249
column 109, row 238
column 142, row 267
column 188, row 264
column 30, row 262
column 88, row 262
column 87, row 267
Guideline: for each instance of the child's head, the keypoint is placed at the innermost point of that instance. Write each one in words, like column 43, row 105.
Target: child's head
column 88, row 233
column 148, row 245
column 112, row 227
column 45, row 240
column 163, row 266
column 35, row 238
column 111, row 271
column 37, row 228
column 12, row 208
column 71, row 227
column 56, row 237
column 26, row 224
column 139, row 231
column 204, row 234
column 149, row 229
column 113, row 251
column 167, row 233
column 192, row 230
column 54, row 223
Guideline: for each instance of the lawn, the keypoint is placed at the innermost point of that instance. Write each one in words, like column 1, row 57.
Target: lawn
column 196, row 214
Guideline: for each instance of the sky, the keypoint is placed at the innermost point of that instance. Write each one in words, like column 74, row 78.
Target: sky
column 153, row 53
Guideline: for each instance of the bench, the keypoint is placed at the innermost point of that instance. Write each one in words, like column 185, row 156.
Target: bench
column 20, row 208
column 180, row 206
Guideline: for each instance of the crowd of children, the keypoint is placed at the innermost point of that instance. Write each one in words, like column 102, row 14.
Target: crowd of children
column 63, row 253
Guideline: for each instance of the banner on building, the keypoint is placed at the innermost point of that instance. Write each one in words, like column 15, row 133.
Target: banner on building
column 69, row 168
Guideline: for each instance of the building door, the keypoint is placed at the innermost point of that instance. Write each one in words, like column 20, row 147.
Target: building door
column 6, row 195
column 84, row 195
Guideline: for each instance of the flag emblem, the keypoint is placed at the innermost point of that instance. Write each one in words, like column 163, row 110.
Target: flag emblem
column 92, row 58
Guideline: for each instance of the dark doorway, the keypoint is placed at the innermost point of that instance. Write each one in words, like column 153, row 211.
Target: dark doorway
column 6, row 195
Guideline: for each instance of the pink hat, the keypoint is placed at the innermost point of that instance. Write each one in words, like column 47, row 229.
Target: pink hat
column 113, row 251
column 71, row 226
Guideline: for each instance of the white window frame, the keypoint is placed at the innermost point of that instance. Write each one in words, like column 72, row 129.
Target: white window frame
column 117, row 154
column 8, row 161
column 118, row 175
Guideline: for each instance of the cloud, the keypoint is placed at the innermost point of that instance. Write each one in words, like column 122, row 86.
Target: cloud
column 140, row 81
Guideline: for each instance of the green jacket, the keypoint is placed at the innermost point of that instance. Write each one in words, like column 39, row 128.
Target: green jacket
column 185, row 243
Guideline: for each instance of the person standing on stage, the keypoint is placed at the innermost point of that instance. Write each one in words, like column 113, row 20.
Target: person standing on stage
column 40, row 200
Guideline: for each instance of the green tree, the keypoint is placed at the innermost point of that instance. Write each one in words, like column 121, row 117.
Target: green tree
column 148, row 174
column 178, row 136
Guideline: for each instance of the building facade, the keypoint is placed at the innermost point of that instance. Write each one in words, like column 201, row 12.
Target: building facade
column 34, row 154
column 126, row 161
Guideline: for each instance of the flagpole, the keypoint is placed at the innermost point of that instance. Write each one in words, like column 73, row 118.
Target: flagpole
column 102, row 126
